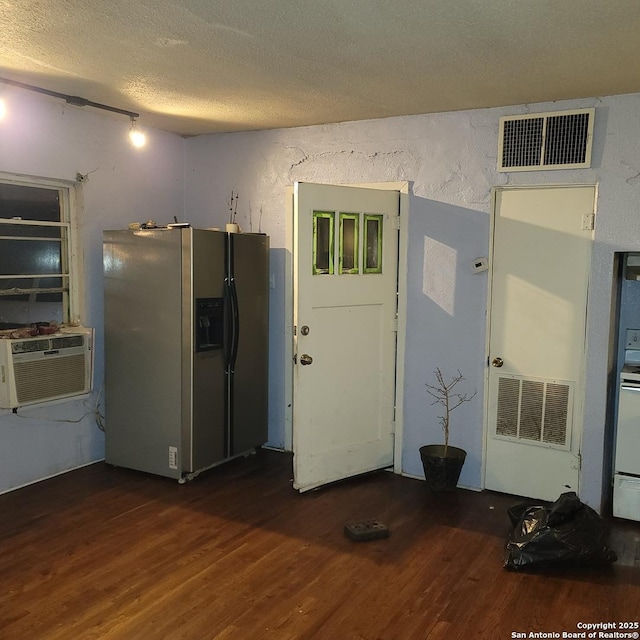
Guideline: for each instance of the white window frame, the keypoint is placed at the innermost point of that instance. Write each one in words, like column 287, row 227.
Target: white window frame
column 70, row 205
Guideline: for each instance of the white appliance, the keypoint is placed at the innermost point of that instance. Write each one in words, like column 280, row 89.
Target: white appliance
column 45, row 368
column 626, row 483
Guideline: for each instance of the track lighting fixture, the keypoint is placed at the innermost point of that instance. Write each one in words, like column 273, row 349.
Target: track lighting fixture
column 138, row 139
column 136, row 136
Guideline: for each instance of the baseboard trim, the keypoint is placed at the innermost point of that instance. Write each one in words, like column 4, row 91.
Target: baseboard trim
column 53, row 475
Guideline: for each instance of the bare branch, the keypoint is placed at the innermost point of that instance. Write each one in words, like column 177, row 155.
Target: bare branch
column 443, row 395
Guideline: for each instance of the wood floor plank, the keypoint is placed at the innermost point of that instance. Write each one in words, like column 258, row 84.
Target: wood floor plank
column 111, row 554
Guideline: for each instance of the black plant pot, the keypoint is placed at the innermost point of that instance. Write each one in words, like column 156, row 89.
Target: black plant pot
column 442, row 472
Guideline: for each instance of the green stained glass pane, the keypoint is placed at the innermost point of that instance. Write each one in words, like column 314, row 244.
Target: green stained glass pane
column 349, row 229
column 323, row 222
column 373, row 243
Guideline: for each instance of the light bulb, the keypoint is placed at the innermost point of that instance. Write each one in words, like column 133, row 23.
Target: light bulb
column 138, row 139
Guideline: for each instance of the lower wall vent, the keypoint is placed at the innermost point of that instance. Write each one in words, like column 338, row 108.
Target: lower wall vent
column 535, row 411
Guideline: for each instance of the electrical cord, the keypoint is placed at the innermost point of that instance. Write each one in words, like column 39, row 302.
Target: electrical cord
column 99, row 418
column 93, row 411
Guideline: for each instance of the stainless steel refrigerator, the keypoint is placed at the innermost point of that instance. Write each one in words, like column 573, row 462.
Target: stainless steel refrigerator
column 186, row 348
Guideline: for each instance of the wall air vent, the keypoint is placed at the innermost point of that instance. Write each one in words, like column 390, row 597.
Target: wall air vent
column 535, row 411
column 544, row 141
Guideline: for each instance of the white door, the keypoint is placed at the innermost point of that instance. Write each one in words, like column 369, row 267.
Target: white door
column 345, row 283
column 540, row 269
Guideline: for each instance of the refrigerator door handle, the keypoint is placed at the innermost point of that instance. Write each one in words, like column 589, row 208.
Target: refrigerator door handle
column 235, row 317
column 228, row 326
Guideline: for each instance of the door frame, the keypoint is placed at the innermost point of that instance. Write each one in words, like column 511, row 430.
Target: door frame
column 403, row 188
column 578, row 414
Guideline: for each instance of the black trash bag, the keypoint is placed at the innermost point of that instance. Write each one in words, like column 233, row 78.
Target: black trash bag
column 565, row 533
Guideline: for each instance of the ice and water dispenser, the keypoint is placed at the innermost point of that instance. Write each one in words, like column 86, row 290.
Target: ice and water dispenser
column 209, row 323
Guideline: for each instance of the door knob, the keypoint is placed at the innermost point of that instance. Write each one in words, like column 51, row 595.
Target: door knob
column 305, row 358
column 497, row 362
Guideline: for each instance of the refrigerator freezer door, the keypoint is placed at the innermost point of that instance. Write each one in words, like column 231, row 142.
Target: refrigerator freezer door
column 248, row 382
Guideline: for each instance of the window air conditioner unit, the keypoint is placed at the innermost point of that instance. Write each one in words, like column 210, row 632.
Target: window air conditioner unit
column 45, row 368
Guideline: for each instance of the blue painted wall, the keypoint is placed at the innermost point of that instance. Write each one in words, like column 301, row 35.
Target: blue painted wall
column 450, row 161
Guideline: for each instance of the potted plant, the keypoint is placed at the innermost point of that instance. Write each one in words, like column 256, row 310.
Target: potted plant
column 442, row 463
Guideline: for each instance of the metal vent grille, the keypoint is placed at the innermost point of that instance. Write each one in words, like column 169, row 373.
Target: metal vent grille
column 41, row 379
column 531, row 402
column 555, row 413
column 508, row 404
column 556, row 140
column 537, row 411
column 522, row 142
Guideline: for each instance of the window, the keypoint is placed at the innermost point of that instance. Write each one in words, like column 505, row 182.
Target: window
column 349, row 223
column 323, row 242
column 358, row 238
column 373, row 243
column 38, row 261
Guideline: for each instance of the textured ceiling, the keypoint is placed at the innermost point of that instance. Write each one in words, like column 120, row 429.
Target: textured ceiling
column 203, row 66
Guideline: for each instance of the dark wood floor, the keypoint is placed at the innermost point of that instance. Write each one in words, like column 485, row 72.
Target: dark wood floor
column 238, row 554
